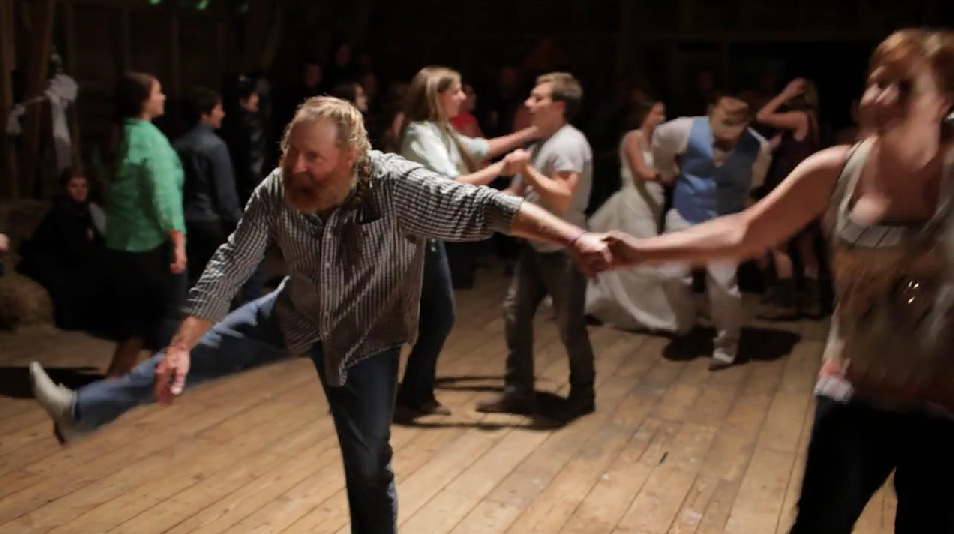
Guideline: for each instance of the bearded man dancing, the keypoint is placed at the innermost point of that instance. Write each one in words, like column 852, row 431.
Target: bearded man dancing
column 715, row 163
column 352, row 225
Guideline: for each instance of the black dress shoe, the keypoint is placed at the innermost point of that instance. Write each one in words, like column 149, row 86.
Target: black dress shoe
column 404, row 411
column 513, row 403
column 577, row 405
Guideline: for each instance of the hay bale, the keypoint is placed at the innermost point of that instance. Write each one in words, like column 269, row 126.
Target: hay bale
column 23, row 302
column 19, row 219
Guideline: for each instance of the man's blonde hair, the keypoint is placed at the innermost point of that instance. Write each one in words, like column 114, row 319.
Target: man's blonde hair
column 347, row 119
column 565, row 88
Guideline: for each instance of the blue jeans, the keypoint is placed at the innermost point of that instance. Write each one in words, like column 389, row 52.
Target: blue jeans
column 435, row 324
column 249, row 336
column 254, row 286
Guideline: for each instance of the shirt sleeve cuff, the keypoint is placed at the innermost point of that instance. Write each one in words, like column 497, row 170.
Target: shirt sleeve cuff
column 205, row 306
column 502, row 210
column 481, row 148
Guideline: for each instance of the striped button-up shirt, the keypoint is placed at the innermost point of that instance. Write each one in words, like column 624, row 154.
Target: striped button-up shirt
column 354, row 277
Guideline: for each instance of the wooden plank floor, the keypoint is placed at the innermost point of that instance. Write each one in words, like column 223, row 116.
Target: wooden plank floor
column 672, row 448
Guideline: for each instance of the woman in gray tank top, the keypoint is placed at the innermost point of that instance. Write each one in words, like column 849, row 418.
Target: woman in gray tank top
column 885, row 394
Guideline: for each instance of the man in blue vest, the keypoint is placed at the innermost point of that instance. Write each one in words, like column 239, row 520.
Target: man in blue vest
column 714, row 163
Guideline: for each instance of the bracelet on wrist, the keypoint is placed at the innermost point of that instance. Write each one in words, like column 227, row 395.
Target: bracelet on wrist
column 571, row 242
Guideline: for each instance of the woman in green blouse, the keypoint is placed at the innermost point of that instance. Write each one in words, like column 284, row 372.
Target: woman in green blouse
column 146, row 231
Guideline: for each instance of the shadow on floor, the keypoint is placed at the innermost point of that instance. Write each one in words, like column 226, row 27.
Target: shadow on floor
column 756, row 344
column 548, row 416
column 15, row 380
column 469, row 383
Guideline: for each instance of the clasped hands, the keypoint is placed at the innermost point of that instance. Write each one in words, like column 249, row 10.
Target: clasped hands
column 515, row 162
column 599, row 252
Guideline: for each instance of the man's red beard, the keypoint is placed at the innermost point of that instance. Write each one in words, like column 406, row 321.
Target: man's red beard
column 307, row 194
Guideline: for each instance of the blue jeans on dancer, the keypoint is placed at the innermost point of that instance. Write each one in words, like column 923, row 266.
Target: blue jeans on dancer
column 416, row 393
column 254, row 286
column 251, row 336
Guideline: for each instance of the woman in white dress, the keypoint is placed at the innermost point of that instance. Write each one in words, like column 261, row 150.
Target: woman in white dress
column 634, row 299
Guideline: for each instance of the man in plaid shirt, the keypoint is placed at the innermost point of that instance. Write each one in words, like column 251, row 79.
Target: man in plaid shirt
column 352, row 225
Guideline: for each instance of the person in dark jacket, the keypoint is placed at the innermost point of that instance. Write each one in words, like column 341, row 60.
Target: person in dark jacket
column 245, row 134
column 65, row 255
column 210, row 201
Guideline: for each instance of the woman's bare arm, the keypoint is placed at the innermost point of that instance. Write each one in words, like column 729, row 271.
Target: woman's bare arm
column 634, row 157
column 796, row 121
column 802, row 196
column 506, row 143
column 484, row 176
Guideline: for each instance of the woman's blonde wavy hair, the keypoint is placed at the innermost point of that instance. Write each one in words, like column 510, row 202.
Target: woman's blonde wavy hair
column 422, row 104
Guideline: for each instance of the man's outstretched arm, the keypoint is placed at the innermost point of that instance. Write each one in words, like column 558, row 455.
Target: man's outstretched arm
column 229, row 269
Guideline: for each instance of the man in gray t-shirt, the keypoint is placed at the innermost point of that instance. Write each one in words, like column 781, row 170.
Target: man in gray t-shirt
column 566, row 159
column 557, row 175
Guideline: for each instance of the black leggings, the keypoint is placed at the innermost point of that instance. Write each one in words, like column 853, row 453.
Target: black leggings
column 853, row 449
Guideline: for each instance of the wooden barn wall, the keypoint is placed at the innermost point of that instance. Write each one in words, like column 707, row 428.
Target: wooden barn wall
column 643, row 38
column 95, row 68
column 660, row 42
column 182, row 48
column 477, row 36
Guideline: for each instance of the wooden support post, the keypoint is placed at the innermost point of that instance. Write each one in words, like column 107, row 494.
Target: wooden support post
column 676, row 69
column 361, row 11
column 256, row 28
column 685, row 16
column 470, row 36
column 41, row 43
column 9, row 184
column 623, row 42
column 222, row 24
column 274, row 37
column 865, row 16
column 125, row 40
column 69, row 32
column 725, row 62
column 175, row 66
column 175, row 59
column 222, row 46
